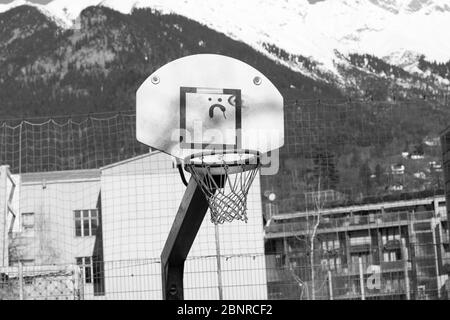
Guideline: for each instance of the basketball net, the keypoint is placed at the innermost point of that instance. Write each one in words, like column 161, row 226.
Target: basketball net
column 225, row 183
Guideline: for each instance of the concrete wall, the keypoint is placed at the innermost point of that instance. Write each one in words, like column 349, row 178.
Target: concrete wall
column 53, row 200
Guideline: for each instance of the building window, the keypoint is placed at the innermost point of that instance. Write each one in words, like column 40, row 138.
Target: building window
column 390, row 234
column 27, row 220
column 391, row 255
column 333, row 263
column 85, row 263
column 329, row 245
column 360, row 240
column 86, row 222
column 330, row 248
column 366, row 259
column 271, row 210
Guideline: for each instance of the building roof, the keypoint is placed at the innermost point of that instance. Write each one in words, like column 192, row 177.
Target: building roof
column 153, row 163
column 361, row 207
column 61, row 176
column 142, row 156
column 76, row 175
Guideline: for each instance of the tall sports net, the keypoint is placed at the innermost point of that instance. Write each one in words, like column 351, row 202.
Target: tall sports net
column 68, row 143
column 358, row 210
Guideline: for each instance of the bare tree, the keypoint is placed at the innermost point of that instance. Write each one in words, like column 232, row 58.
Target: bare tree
column 309, row 242
column 318, row 206
column 302, row 284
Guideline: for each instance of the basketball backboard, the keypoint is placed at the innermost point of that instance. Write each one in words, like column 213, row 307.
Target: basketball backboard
column 209, row 102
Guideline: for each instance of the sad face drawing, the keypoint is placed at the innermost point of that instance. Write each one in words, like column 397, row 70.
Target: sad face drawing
column 211, row 116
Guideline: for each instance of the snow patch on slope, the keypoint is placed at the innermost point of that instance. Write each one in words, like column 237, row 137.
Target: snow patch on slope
column 42, row 8
column 7, row 6
column 69, row 10
column 314, row 30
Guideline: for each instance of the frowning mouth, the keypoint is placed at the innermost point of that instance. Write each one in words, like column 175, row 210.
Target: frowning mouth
column 213, row 107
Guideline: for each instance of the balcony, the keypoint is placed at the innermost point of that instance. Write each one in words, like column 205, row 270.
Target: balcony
column 355, row 222
column 348, row 288
column 445, row 237
column 392, row 266
column 359, row 248
column 337, row 224
column 393, row 244
column 423, row 215
column 382, row 295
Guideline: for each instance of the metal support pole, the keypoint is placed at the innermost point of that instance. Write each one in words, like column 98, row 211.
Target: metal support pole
column 185, row 227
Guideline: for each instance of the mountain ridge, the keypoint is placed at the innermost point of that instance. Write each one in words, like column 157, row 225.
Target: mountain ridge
column 386, row 29
column 96, row 67
column 99, row 66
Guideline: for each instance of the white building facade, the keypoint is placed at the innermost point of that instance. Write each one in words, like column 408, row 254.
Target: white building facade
column 113, row 222
column 140, row 198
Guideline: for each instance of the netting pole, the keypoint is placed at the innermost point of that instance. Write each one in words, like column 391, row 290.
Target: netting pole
column 20, row 267
column 361, row 279
column 4, row 261
column 219, row 262
column 405, row 269
column 330, row 285
column 20, row 148
column 436, row 263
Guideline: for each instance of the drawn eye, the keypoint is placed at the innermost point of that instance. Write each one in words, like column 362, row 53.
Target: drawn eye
column 232, row 100
column 220, row 99
column 209, row 99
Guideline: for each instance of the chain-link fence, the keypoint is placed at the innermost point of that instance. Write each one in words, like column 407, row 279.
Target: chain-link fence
column 360, row 276
column 41, row 283
column 245, row 277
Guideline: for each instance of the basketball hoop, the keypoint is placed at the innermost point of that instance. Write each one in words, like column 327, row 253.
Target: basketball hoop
column 225, row 178
column 220, row 120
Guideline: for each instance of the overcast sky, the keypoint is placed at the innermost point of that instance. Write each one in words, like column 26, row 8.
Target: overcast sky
column 37, row 1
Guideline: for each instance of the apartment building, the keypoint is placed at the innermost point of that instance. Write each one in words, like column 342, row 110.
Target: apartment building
column 389, row 250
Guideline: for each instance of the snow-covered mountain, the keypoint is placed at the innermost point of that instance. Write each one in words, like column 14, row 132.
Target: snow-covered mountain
column 62, row 60
column 324, row 33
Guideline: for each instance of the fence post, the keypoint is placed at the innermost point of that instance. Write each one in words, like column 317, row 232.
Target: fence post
column 361, row 279
column 330, row 285
column 76, row 293
column 78, row 283
column 219, row 265
column 81, row 281
column 405, row 269
column 436, row 262
column 4, row 259
column 20, row 267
